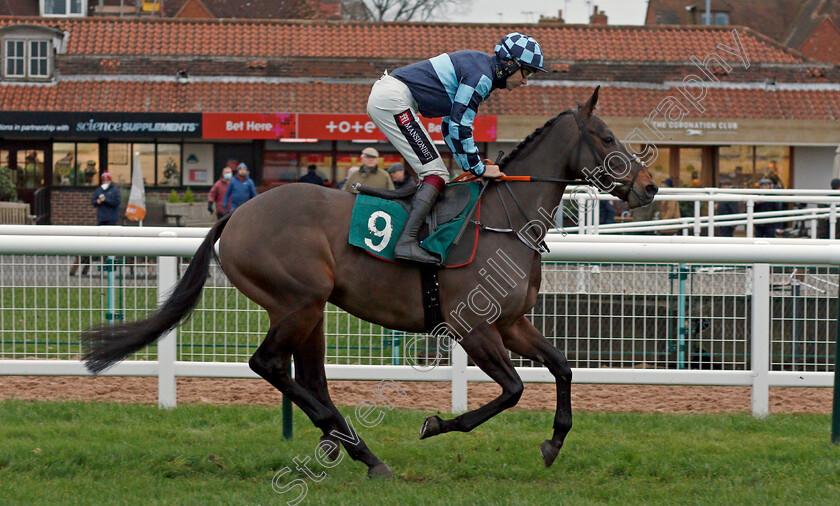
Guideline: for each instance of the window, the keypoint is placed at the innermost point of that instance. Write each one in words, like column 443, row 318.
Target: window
column 160, row 164
column 27, row 58
column 75, row 164
column 719, row 18
column 15, row 58
column 63, row 7
column 169, row 164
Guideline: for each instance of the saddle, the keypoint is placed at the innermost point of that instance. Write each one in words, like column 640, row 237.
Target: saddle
column 452, row 202
column 438, row 233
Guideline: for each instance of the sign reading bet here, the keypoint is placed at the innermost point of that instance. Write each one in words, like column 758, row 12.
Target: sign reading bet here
column 319, row 126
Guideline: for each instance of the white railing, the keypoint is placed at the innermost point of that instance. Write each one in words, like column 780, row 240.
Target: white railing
column 169, row 243
column 586, row 213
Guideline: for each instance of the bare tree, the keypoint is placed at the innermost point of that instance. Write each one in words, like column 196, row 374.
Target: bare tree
column 396, row 10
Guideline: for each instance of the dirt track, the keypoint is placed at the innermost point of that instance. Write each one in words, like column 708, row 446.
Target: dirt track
column 423, row 395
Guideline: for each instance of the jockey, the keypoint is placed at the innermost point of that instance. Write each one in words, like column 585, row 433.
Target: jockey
column 449, row 86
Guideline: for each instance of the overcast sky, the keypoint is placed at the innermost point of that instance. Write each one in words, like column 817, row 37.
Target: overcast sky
column 619, row 12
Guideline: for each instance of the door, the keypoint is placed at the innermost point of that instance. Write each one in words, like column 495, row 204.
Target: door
column 231, row 155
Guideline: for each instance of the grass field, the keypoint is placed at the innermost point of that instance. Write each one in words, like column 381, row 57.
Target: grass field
column 226, row 327
column 61, row 453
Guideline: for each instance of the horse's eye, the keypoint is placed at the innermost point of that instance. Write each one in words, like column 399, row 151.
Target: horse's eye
column 608, row 140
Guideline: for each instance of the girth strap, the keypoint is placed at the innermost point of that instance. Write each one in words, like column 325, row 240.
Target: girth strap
column 430, row 286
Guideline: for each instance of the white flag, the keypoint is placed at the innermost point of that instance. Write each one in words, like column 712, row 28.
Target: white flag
column 136, row 209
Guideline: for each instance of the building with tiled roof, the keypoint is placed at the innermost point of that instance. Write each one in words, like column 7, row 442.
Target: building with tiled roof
column 808, row 26
column 80, row 95
column 187, row 9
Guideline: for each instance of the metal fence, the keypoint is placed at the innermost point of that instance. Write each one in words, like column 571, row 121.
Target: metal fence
column 643, row 321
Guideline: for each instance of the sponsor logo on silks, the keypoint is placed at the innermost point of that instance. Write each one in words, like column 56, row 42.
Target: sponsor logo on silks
column 414, row 134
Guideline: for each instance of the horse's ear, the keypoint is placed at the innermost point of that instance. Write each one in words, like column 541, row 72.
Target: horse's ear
column 589, row 106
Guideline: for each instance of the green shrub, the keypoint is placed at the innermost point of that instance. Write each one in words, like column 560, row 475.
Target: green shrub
column 188, row 196
column 173, row 197
column 8, row 193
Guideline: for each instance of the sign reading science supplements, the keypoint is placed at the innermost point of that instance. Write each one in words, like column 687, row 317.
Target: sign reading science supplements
column 99, row 124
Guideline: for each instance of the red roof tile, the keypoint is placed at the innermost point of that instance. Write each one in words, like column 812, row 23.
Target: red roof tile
column 97, row 96
column 342, row 39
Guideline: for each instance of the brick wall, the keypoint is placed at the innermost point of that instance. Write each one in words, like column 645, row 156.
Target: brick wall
column 73, row 207
column 823, row 44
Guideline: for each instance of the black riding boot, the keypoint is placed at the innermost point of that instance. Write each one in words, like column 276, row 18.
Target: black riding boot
column 407, row 247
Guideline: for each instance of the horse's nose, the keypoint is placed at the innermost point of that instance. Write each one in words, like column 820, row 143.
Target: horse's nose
column 651, row 189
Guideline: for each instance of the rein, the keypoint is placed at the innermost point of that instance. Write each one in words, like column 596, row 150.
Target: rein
column 542, row 247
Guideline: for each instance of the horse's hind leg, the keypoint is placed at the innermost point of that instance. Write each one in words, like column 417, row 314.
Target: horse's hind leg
column 310, row 374
column 484, row 346
column 523, row 338
column 272, row 359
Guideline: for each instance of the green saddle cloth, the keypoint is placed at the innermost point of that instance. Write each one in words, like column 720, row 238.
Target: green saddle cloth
column 376, row 224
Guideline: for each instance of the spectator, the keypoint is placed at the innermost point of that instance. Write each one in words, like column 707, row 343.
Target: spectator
column 766, row 229
column 106, row 199
column 217, row 194
column 724, row 208
column 241, row 189
column 369, row 173
column 773, row 175
column 606, row 212
column 399, row 177
column 352, row 170
column 646, row 213
column 669, row 210
column 312, row 176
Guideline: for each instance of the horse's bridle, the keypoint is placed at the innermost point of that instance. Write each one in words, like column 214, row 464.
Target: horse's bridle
column 542, row 247
column 598, row 159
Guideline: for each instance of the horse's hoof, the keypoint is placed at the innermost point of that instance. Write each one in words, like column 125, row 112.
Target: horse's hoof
column 380, row 471
column 336, row 452
column 430, row 427
column 549, row 450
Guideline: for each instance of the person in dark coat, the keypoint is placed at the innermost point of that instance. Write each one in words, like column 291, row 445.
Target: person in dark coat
column 724, row 208
column 106, row 199
column 312, row 176
column 399, row 177
column 766, row 229
column 241, row 189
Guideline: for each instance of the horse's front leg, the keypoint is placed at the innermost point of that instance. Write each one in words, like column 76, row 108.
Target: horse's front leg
column 484, row 346
column 523, row 338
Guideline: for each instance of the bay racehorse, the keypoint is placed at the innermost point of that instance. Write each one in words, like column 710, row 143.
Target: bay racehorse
column 287, row 250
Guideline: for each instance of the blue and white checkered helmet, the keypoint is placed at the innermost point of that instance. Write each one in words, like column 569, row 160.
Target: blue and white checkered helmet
column 522, row 49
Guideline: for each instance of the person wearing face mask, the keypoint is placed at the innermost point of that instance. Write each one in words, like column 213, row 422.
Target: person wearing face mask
column 217, row 194
column 106, row 199
column 241, row 189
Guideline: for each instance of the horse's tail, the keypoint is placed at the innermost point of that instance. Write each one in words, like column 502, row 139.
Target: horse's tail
column 106, row 345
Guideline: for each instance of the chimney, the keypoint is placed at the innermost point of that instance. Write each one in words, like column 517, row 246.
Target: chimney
column 598, row 18
column 548, row 20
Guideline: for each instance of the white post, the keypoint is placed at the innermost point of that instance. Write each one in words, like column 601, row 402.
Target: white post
column 760, row 345
column 458, row 358
column 814, row 226
column 167, row 345
column 711, row 218
column 581, row 215
column 696, row 218
column 832, row 215
column 750, row 217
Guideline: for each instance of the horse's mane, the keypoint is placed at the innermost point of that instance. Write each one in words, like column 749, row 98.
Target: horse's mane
column 527, row 140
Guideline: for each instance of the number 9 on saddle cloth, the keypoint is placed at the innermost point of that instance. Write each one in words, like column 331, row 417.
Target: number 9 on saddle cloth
column 380, row 215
